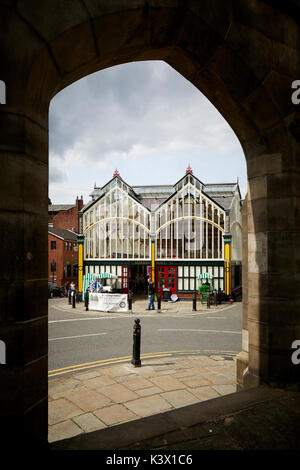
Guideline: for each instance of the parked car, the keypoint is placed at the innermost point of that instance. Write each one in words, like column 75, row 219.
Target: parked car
column 54, row 290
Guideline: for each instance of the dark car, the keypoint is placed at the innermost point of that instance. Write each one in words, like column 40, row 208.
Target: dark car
column 54, row 290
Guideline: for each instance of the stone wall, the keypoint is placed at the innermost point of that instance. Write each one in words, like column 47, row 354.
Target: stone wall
column 244, row 57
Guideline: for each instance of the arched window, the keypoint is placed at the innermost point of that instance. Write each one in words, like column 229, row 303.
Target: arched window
column 121, row 230
column 190, row 225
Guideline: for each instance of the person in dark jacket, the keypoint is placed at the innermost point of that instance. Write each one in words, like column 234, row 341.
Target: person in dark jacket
column 151, row 292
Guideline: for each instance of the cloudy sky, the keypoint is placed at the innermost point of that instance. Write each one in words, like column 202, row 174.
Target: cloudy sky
column 144, row 119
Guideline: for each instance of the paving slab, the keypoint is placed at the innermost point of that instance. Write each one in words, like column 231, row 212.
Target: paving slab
column 108, row 395
column 239, row 421
column 167, row 383
column 137, row 383
column 115, row 414
column 179, row 398
column 205, row 393
column 118, row 393
column 148, row 405
column 88, row 400
column 63, row 430
column 88, row 422
column 61, row 409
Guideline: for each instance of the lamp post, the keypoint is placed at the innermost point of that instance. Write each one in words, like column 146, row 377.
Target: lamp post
column 227, row 263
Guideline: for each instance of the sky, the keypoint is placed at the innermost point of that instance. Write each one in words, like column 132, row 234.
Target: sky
column 144, row 119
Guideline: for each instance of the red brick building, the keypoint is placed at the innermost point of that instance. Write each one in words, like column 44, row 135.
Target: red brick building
column 65, row 215
column 62, row 256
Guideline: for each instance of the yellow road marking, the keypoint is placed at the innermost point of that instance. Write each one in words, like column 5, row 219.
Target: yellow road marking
column 116, row 360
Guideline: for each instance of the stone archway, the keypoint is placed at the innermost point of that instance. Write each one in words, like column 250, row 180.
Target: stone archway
column 243, row 56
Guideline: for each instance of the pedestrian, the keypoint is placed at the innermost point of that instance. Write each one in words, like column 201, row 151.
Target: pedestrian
column 151, row 292
column 72, row 287
column 146, row 279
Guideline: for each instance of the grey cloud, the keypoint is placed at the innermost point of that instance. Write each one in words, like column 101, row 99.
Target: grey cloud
column 56, row 173
column 146, row 104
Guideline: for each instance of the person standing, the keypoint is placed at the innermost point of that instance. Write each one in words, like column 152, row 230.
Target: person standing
column 151, row 292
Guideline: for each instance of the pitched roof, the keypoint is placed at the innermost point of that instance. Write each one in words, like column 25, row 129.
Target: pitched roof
column 59, row 207
column 63, row 233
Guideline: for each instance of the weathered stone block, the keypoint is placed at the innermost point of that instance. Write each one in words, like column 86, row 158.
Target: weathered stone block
column 281, row 252
column 19, row 44
column 278, row 310
column 25, row 342
column 35, row 382
column 80, row 41
column 122, row 31
column 22, row 301
column 260, row 106
column 257, row 187
column 53, row 17
column 191, row 34
column 257, row 253
column 98, row 8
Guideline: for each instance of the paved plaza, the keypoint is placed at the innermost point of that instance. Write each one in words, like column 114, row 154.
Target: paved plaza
column 109, row 395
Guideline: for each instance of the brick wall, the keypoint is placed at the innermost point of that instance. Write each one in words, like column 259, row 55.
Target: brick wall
column 61, row 256
column 68, row 219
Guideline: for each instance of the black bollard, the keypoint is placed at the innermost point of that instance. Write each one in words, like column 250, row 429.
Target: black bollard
column 136, row 359
column 86, row 300
column 73, row 299
column 195, row 302
column 159, row 302
column 69, row 295
column 215, row 298
column 130, row 295
column 208, row 299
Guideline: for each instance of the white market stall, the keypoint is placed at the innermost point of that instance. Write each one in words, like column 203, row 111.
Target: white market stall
column 100, row 296
column 106, row 302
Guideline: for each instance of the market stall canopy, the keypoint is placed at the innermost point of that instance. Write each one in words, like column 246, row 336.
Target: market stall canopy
column 106, row 276
column 205, row 276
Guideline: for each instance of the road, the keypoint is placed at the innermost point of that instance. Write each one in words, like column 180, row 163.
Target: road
column 76, row 338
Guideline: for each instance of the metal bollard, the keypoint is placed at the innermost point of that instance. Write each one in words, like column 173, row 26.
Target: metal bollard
column 136, row 359
column 73, row 299
column 159, row 302
column 130, row 295
column 86, row 300
column 219, row 296
column 208, row 300
column 195, row 302
column 215, row 298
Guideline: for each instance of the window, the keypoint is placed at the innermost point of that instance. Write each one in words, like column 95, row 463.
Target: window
column 67, row 269
column 53, row 266
column 53, row 245
column 75, row 270
column 124, row 232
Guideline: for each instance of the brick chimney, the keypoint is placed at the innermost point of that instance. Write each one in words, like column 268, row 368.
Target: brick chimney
column 79, row 203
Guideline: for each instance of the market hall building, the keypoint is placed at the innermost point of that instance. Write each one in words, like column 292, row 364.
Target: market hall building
column 178, row 235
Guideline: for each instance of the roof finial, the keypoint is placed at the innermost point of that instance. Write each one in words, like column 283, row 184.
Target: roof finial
column 189, row 170
column 116, row 173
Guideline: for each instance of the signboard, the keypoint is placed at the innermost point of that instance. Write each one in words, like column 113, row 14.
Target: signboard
column 205, row 276
column 108, row 302
column 106, row 276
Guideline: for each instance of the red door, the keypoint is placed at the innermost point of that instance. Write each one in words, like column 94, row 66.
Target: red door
column 125, row 279
column 166, row 278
